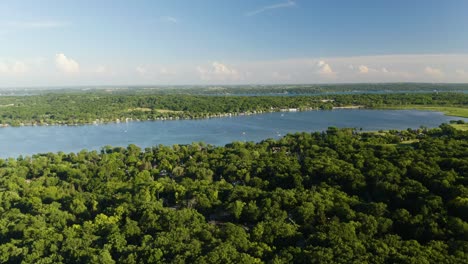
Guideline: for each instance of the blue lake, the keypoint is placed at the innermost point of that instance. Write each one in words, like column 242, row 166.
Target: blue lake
column 15, row 141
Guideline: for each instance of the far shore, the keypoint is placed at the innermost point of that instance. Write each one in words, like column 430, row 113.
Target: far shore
column 449, row 111
column 349, row 107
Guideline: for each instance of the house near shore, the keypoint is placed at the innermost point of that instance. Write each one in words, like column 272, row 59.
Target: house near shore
column 288, row 110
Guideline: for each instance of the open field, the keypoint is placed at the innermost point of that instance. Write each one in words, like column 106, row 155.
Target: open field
column 146, row 109
column 462, row 127
column 447, row 110
column 167, row 111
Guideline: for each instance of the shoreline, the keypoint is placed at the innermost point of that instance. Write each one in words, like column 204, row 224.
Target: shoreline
column 169, row 118
column 349, row 107
column 442, row 109
column 446, row 110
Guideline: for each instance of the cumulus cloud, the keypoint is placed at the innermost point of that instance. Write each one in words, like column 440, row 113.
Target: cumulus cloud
column 141, row 70
column 363, row 69
column 166, row 71
column 19, row 67
column 101, row 69
column 16, row 67
column 434, row 72
column 65, row 64
column 218, row 71
column 382, row 68
column 220, row 68
column 325, row 69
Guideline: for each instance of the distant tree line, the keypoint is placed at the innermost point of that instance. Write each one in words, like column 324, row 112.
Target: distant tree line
column 304, row 89
column 277, row 89
column 87, row 108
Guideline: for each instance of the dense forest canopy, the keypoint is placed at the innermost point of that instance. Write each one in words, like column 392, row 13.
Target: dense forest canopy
column 332, row 197
column 98, row 107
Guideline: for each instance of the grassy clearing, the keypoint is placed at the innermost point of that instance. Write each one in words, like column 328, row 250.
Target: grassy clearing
column 167, row 111
column 462, row 127
column 411, row 141
column 447, row 110
column 144, row 109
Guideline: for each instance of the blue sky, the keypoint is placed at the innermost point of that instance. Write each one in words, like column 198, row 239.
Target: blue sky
column 160, row 42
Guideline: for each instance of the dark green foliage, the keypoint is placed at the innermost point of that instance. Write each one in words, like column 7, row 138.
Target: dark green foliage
column 100, row 107
column 332, row 197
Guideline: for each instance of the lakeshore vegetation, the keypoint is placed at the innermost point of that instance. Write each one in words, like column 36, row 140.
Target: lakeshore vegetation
column 336, row 196
column 102, row 107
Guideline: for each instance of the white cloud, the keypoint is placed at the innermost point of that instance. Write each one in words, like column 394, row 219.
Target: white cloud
column 141, row 70
column 218, row 72
column 363, row 69
column 166, row 71
column 163, row 71
column 66, row 65
column 101, row 69
column 16, row 67
column 434, row 72
column 4, row 68
column 222, row 69
column 288, row 3
column 380, row 68
column 169, row 19
column 19, row 67
column 204, row 74
column 325, row 69
column 385, row 68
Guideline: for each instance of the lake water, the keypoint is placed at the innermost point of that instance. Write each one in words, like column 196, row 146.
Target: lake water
column 15, row 141
column 315, row 93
